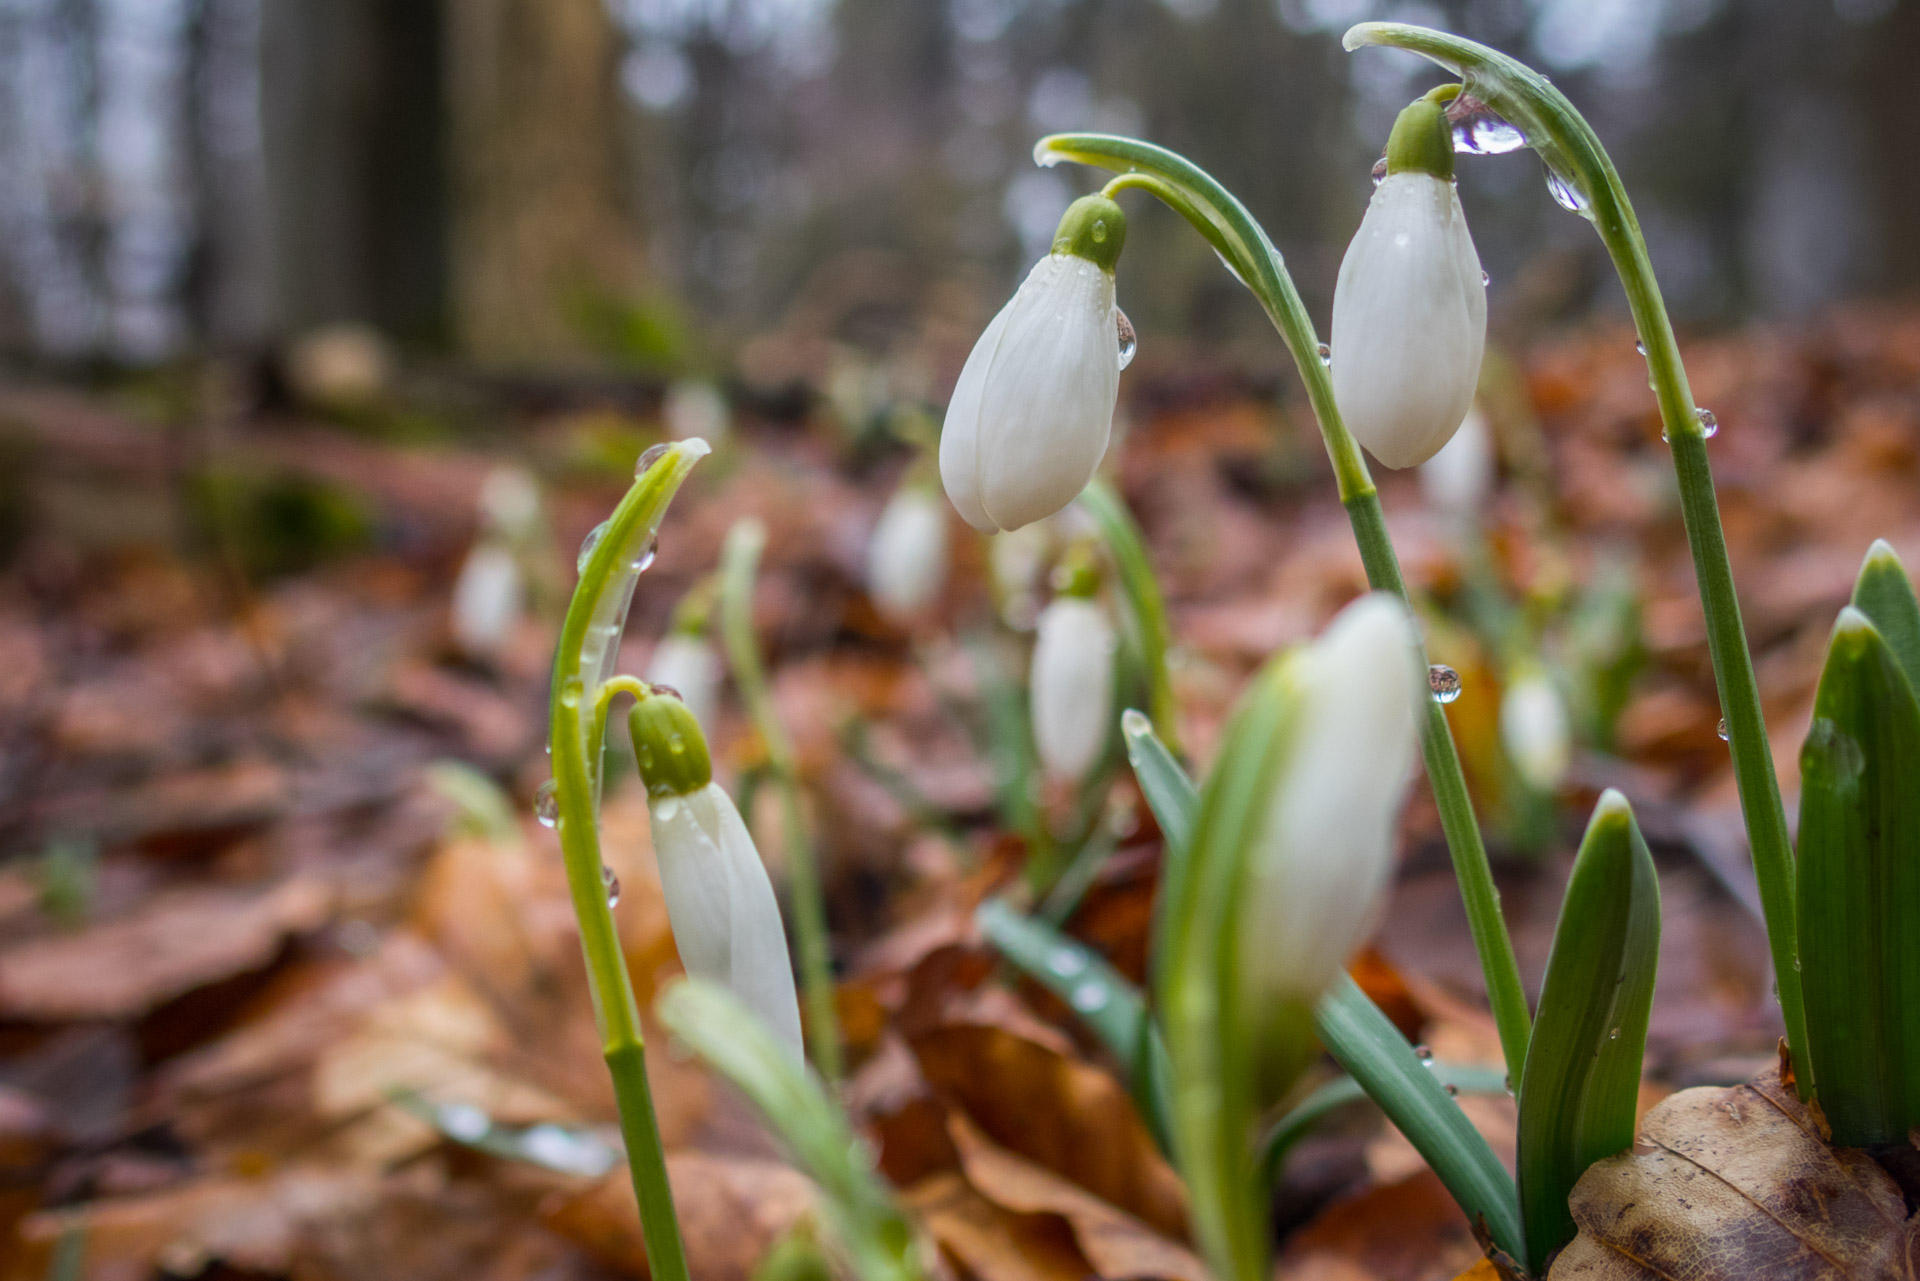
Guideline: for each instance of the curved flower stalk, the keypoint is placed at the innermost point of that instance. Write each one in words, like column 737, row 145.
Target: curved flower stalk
column 1029, row 418
column 1410, row 306
column 1070, row 684
column 1290, row 856
column 1243, row 245
column 726, row 923
column 614, row 557
column 1582, row 177
column 907, row 554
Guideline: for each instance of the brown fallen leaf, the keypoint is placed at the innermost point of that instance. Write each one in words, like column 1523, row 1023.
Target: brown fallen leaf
column 991, row 1243
column 1115, row 1243
column 1741, row 1183
column 1405, row 1231
column 176, row 942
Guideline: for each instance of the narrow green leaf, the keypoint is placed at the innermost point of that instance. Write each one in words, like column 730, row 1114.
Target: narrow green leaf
column 1111, row 1007
column 1582, row 1076
column 1859, row 888
column 1371, row 1049
column 1343, row 1091
column 711, row 1021
column 1884, row 593
column 1170, row 793
column 1146, row 609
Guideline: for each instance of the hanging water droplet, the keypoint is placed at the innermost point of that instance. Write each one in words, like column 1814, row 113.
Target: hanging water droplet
column 570, row 692
column 644, row 561
column 587, row 545
column 611, row 884
column 1478, row 132
column 1709, row 425
column 1129, row 341
column 1089, row 996
column 648, row 457
column 1485, row 280
column 546, row 803
column 1066, row 962
column 1613, row 1034
column 1453, row 1091
column 1379, row 171
column 1565, row 194
column 1443, row 682
column 1423, row 1052
column 1134, row 723
column 1721, row 729
column 1640, row 347
column 1326, row 354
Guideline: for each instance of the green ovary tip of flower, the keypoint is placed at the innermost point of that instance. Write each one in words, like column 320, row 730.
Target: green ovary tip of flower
column 1093, row 228
column 669, row 745
column 1422, row 140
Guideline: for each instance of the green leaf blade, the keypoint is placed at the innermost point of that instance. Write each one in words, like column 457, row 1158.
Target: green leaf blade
column 1582, row 1077
column 1859, row 888
column 1884, row 593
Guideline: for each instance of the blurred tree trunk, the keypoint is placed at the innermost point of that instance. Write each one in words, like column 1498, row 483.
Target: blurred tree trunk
column 538, row 233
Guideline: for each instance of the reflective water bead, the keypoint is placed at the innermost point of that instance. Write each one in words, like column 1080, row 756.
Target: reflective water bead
column 1478, row 132
column 1613, row 1034
column 1565, row 194
column 1379, row 171
column 1066, row 962
column 1088, row 997
column 1326, row 354
column 1443, row 682
column 611, row 883
column 546, row 803
column 1423, row 1052
column 644, row 561
column 588, row 544
column 1709, row 425
column 1485, row 280
column 651, row 455
column 1134, row 723
column 1453, row 1091
column 1721, row 729
column 1640, row 347
column 1129, row 341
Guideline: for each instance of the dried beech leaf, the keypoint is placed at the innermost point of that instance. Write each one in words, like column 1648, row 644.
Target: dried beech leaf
column 1405, row 1231
column 992, row 1243
column 1741, row 1184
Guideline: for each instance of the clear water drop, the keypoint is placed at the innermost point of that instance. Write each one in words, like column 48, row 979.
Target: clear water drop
column 644, row 561
column 588, row 544
column 1640, row 347
column 667, row 810
column 1423, row 1052
column 1709, row 425
column 1099, row 231
column 1478, row 132
column 1485, row 280
column 1613, row 1034
column 1134, row 723
column 1453, row 1091
column 1721, row 729
column 1565, row 194
column 1129, row 340
column 1088, row 997
column 1326, row 354
column 1379, row 171
column 464, row 1122
column 611, row 883
column 1444, row 683
column 1066, row 962
column 546, row 803
column 651, row 455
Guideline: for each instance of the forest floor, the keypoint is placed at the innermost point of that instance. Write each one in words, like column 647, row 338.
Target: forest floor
column 257, row 971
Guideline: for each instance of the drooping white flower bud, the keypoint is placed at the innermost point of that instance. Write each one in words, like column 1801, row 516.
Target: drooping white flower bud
column 693, row 408
column 1410, row 304
column 486, row 598
column 1534, row 729
column 1317, row 878
column 720, row 903
column 907, row 557
column 687, row 663
column 1070, row 685
column 1458, row 480
column 1029, row 418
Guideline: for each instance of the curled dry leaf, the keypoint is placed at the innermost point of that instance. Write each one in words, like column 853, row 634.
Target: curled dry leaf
column 990, row 1242
column 1740, row 1183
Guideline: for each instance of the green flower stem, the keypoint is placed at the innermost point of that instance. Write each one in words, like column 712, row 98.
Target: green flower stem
column 739, row 562
column 1241, row 242
column 1146, row 608
column 1571, row 149
column 580, row 670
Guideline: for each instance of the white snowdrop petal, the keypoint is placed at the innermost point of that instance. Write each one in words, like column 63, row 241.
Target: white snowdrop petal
column 1535, row 731
column 1070, row 687
column 1458, row 480
column 960, row 434
column 486, row 598
column 907, row 556
column 1409, row 321
column 690, row 666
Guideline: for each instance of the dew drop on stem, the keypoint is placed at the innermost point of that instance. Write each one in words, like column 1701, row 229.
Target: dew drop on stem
column 1709, row 425
column 1326, row 354
column 611, row 884
column 1478, row 132
column 1423, row 1052
column 644, row 561
column 1443, row 682
column 588, row 544
column 652, row 455
column 1721, row 729
column 1129, row 340
column 546, row 803
column 1453, row 1091
column 1565, row 194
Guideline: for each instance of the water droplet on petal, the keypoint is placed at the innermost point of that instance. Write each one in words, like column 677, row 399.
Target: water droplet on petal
column 1709, row 425
column 1089, row 996
column 1129, row 341
column 611, row 884
column 1721, row 729
column 1613, row 1034
column 1565, row 194
column 667, row 810
column 652, row 455
column 1444, row 683
column 546, row 803
column 1326, row 354
column 1379, row 171
column 1485, row 280
column 1423, row 1052
column 588, row 544
column 1066, row 962
column 644, row 561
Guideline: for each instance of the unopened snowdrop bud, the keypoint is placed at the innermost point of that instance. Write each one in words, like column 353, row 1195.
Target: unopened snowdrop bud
column 907, row 559
column 1030, row 416
column 1070, row 686
column 1534, row 729
column 687, row 663
column 1318, row 873
column 486, row 598
column 1410, row 304
column 1458, row 480
column 726, row 922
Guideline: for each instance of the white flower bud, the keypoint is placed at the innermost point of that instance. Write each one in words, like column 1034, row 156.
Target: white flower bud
column 486, row 599
column 1317, row 879
column 688, row 665
column 726, row 922
column 1029, row 418
column 1410, row 304
column 1535, row 731
column 1070, row 686
column 693, row 408
column 907, row 557
column 1458, row 480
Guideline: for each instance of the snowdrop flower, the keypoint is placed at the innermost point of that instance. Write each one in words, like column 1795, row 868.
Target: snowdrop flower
column 1030, row 416
column 1534, row 729
column 720, row 903
column 1317, row 876
column 1410, row 304
column 686, row 663
column 907, row 557
column 486, row 598
column 1070, row 685
column 693, row 408
column 1458, row 480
